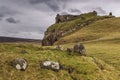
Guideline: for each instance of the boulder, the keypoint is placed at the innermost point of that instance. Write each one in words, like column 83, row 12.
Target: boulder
column 79, row 48
column 55, row 66
column 19, row 64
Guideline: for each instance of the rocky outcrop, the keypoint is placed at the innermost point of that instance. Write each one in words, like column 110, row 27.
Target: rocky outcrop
column 51, row 36
column 49, row 39
column 64, row 18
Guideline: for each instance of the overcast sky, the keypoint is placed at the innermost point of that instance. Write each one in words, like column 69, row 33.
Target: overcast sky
column 30, row 18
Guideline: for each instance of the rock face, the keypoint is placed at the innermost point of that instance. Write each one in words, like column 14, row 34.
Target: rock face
column 49, row 39
column 52, row 36
column 79, row 48
column 55, row 66
column 64, row 18
column 19, row 64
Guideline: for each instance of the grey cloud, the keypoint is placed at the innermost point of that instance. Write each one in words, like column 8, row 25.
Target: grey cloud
column 1, row 15
column 45, row 1
column 64, row 13
column 12, row 20
column 7, row 11
column 74, row 10
column 100, row 10
column 55, row 5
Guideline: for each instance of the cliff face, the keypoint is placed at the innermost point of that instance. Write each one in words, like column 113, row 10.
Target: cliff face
column 67, row 24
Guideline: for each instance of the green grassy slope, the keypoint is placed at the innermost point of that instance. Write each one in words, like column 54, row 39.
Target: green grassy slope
column 101, row 39
column 65, row 26
column 85, row 68
column 69, row 24
column 104, row 30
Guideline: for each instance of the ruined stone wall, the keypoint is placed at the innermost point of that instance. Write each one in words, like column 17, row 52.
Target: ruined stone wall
column 64, row 18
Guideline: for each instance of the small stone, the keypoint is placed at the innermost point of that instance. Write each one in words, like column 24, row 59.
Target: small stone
column 55, row 66
column 19, row 64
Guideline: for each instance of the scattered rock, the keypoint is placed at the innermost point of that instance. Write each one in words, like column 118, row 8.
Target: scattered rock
column 55, row 66
column 69, row 50
column 79, row 48
column 58, row 47
column 19, row 64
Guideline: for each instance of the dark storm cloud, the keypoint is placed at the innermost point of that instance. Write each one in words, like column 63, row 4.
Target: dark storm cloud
column 7, row 11
column 12, row 20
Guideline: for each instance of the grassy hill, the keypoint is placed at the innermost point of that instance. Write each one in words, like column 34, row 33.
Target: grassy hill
column 76, row 30
column 102, row 30
column 100, row 36
column 85, row 68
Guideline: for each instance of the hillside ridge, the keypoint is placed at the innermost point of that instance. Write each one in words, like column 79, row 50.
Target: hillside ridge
column 67, row 24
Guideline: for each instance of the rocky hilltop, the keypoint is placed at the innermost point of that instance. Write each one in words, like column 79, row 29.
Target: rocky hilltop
column 67, row 24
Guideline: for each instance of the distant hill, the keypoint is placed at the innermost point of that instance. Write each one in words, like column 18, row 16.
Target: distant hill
column 20, row 40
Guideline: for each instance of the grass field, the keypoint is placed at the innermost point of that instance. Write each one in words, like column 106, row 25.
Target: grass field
column 85, row 68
